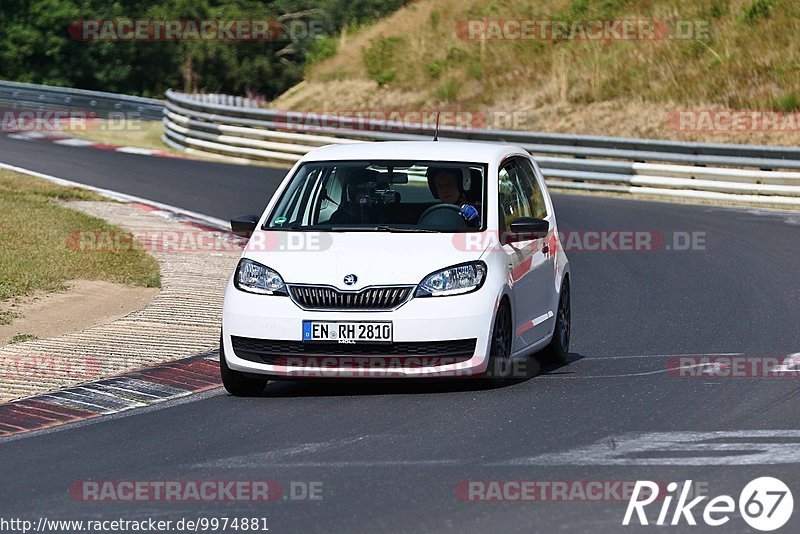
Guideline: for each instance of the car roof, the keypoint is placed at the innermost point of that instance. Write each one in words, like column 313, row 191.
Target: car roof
column 466, row 151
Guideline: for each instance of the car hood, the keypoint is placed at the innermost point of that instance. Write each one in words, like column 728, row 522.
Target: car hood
column 375, row 258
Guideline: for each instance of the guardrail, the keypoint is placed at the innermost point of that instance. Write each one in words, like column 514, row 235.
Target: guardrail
column 102, row 105
column 220, row 124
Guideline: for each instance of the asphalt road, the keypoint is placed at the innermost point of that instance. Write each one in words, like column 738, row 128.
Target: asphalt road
column 390, row 456
column 216, row 189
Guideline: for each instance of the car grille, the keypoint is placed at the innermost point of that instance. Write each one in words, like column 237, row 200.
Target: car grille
column 418, row 353
column 330, row 298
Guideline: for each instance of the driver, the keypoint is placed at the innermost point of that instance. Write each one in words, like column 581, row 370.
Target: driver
column 446, row 184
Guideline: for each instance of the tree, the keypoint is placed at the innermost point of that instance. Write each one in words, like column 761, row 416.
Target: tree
column 38, row 48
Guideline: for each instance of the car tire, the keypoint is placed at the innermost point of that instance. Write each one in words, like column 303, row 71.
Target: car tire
column 498, row 370
column 556, row 352
column 237, row 383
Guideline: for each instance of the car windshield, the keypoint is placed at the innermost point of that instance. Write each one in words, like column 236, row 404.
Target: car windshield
column 423, row 196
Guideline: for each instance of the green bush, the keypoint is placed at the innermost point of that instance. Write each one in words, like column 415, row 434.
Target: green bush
column 759, row 9
column 447, row 90
column 475, row 70
column 789, row 102
column 434, row 18
column 380, row 58
column 321, row 49
column 435, row 68
column 718, row 9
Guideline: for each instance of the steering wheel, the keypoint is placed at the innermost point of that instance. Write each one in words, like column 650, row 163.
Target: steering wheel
column 448, row 215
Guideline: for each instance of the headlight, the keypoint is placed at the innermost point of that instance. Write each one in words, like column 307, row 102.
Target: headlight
column 454, row 280
column 253, row 277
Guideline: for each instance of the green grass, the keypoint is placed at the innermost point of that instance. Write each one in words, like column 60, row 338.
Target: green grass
column 141, row 134
column 321, row 49
column 21, row 338
column 380, row 58
column 35, row 232
column 789, row 102
column 6, row 317
column 759, row 9
column 447, row 90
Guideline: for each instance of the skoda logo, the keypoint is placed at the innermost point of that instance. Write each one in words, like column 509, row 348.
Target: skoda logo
column 350, row 279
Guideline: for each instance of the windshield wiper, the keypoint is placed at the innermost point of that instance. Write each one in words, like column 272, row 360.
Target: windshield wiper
column 308, row 228
column 377, row 228
column 382, row 228
column 387, row 228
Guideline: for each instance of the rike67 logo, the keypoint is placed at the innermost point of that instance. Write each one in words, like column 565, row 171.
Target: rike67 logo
column 766, row 504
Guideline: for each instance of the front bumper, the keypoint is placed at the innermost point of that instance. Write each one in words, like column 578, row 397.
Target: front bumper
column 428, row 328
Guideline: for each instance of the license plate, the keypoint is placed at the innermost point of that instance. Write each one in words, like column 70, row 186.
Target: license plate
column 348, row 332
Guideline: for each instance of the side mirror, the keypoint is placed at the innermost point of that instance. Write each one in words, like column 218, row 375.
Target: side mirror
column 244, row 225
column 526, row 228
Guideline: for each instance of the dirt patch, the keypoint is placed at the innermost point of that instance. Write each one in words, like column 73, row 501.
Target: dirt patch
column 85, row 303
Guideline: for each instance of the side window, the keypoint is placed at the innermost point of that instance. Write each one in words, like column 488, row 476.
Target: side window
column 298, row 207
column 514, row 202
column 535, row 195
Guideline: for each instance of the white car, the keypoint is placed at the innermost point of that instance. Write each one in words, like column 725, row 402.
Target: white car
column 398, row 259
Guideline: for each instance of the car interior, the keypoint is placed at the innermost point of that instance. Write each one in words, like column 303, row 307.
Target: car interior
column 366, row 196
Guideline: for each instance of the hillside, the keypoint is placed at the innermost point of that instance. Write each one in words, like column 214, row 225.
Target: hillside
column 705, row 56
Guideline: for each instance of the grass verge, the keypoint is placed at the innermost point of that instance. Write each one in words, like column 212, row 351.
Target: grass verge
column 140, row 134
column 144, row 134
column 35, row 231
